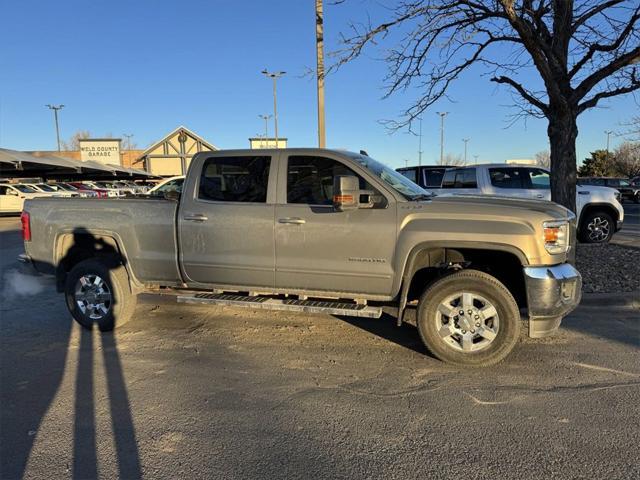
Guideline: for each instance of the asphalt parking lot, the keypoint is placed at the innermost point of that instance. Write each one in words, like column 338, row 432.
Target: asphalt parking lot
column 201, row 392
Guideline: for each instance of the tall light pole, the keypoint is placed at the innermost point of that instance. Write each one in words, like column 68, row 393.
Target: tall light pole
column 442, row 115
column 420, row 144
column 320, row 72
column 266, row 128
column 475, row 158
column 608, row 133
column 128, row 136
column 55, row 109
column 465, row 140
column 274, row 76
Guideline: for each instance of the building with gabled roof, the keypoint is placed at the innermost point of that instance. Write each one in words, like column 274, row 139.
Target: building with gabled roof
column 172, row 154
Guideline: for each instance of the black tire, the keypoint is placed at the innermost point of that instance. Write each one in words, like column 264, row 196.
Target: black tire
column 593, row 226
column 506, row 323
column 636, row 198
column 114, row 279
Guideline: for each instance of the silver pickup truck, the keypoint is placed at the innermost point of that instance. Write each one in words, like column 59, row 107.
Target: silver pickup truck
column 316, row 230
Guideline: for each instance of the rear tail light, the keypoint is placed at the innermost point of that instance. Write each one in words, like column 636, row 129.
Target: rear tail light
column 25, row 219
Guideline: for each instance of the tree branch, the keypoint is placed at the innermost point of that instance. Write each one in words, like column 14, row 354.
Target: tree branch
column 593, row 101
column 596, row 77
column 594, row 11
column 529, row 97
column 597, row 47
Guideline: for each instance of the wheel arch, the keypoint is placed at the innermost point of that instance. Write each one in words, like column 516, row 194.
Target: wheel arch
column 73, row 247
column 431, row 260
column 598, row 207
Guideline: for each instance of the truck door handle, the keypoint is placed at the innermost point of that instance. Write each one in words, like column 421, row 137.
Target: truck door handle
column 292, row 220
column 540, row 195
column 195, row 217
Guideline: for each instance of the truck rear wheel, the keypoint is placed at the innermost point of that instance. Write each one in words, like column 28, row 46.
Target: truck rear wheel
column 98, row 292
column 469, row 318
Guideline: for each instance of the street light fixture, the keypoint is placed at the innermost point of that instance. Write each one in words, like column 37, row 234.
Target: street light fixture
column 274, row 76
column 55, row 109
column 266, row 128
column 129, row 136
column 608, row 133
column 442, row 115
column 465, row 140
column 420, row 144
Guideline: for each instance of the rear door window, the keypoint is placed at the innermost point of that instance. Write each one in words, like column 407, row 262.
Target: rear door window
column 235, row 179
column 537, row 179
column 506, row 178
column 460, row 178
column 433, row 177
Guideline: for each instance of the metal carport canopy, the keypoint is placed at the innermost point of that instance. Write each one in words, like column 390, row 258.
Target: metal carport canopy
column 20, row 164
column 14, row 163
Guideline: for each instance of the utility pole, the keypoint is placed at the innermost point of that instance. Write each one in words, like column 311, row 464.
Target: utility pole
column 274, row 76
column 420, row 144
column 320, row 72
column 475, row 159
column 55, row 109
column 266, row 128
column 406, row 163
column 442, row 115
column 465, row 140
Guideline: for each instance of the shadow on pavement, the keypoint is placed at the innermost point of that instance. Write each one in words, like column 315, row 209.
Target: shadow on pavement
column 406, row 336
column 31, row 374
column 615, row 323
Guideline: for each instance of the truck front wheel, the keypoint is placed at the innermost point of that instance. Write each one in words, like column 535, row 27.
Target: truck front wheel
column 469, row 318
column 97, row 291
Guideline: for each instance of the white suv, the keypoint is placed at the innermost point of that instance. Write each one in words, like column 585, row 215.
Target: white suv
column 599, row 211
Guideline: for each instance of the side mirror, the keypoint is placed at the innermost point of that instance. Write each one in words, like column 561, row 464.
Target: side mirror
column 172, row 195
column 347, row 193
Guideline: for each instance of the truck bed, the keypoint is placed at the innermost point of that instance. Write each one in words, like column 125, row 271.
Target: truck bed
column 143, row 227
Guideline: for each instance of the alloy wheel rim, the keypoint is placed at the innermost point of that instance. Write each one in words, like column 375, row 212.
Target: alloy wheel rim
column 467, row 322
column 93, row 296
column 598, row 229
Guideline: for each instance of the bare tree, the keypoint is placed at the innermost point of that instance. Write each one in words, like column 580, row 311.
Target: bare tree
column 543, row 158
column 632, row 131
column 451, row 160
column 74, row 141
column 626, row 159
column 583, row 51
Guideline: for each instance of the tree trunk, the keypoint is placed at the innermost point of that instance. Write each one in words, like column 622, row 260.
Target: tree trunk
column 563, row 131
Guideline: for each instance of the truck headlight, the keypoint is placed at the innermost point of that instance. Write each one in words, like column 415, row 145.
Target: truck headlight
column 556, row 236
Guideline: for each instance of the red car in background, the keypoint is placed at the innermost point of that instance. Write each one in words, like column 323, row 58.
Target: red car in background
column 82, row 187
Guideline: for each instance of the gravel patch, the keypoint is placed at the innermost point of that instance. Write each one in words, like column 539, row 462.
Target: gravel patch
column 608, row 268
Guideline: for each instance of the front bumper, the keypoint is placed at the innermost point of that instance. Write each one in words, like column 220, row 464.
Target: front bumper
column 552, row 292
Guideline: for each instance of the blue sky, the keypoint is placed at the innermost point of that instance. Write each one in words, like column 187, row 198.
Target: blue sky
column 145, row 67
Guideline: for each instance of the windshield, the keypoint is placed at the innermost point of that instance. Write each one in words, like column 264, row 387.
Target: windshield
column 25, row 189
column 45, row 188
column 395, row 180
column 174, row 185
column 67, row 187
